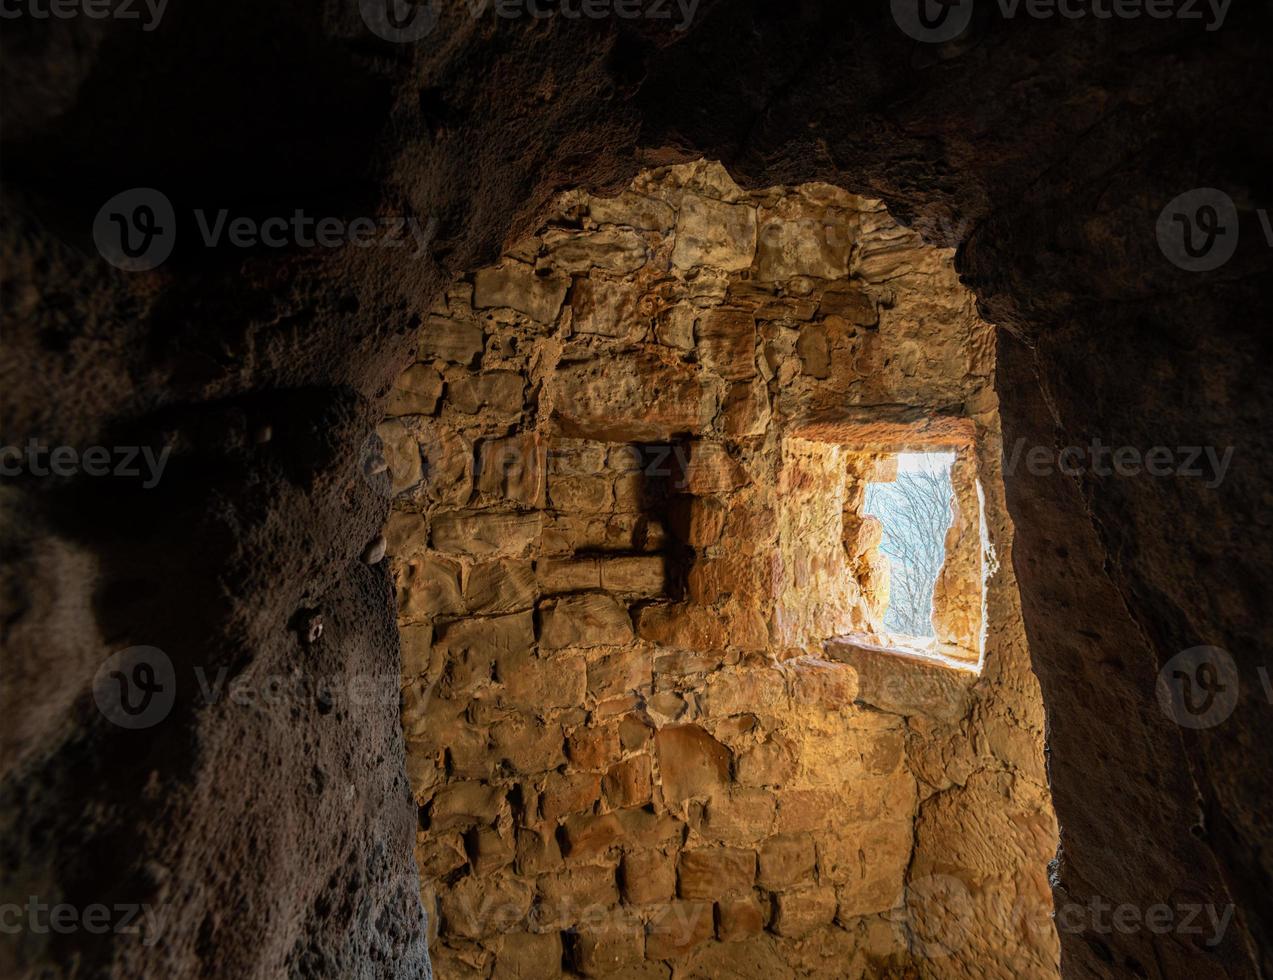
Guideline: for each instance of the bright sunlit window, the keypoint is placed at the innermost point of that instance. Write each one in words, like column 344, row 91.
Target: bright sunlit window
column 915, row 513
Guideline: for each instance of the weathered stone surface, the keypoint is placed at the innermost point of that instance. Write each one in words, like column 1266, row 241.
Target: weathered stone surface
column 676, row 928
column 798, row 913
column 457, row 341
column 500, row 392
column 590, row 620
column 710, row 232
column 416, row 392
column 617, row 250
column 627, row 783
column 517, row 286
column 786, row 860
column 645, row 397
column 607, row 308
column 868, row 863
column 727, row 343
column 512, row 469
column 738, row 817
column 740, row 918
column 643, row 575
column 601, row 950
column 803, row 243
column 648, row 877
column 691, row 762
column 499, row 587
column 714, row 872
column 485, row 534
column 529, row 956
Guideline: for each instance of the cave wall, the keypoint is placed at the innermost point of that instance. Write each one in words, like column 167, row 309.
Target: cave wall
column 1045, row 150
column 617, row 564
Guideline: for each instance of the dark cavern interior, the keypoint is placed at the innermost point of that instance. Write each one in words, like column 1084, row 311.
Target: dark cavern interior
column 635, row 489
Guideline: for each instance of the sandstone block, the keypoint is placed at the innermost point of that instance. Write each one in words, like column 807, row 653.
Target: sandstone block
column 786, row 860
column 727, row 343
column 577, row 895
column 799, row 913
column 740, row 917
column 853, row 305
column 537, row 852
column 569, row 792
column 536, row 685
column 641, row 575
column 713, row 233
column 586, row 621
column 618, row 672
column 593, row 748
column 642, row 397
column 527, row 745
column 713, row 469
column 712, row 872
column 457, row 341
column 739, row 817
column 476, row 907
column 616, row 250
column 588, row 835
column 603, row 949
column 401, row 454
column 513, row 469
column 571, row 575
column 868, row 862
column 500, row 586
column 745, row 410
column 416, row 392
column 490, row 850
column 427, row 587
column 463, row 803
column 676, row 928
column 691, row 762
column 529, row 956
column 486, row 533
column 633, row 210
column 516, row 286
column 627, row 783
column 609, row 309
column 648, row 877
column 581, row 494
column 500, row 392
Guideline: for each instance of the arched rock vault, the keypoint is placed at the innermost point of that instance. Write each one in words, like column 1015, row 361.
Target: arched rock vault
column 1044, row 149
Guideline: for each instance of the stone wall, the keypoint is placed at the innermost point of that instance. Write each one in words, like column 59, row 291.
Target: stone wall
column 621, row 467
